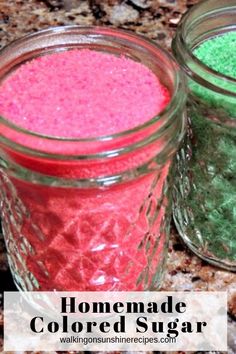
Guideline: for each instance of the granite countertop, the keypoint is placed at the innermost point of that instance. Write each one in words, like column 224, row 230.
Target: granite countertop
column 156, row 19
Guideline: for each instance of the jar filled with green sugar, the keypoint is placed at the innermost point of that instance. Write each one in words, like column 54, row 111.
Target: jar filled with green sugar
column 205, row 190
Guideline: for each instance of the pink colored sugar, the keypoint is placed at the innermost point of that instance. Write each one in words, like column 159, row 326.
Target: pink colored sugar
column 97, row 238
column 81, row 93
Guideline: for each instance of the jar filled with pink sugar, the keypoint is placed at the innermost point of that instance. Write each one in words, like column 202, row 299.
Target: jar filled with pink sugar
column 90, row 119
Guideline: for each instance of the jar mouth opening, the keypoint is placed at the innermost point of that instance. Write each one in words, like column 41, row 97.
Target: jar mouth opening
column 195, row 67
column 168, row 111
column 165, row 112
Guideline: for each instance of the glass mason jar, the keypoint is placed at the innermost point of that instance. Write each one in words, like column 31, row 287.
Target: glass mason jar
column 90, row 214
column 205, row 191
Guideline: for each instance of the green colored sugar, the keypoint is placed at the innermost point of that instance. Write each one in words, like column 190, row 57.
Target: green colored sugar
column 212, row 193
column 219, row 53
column 212, row 168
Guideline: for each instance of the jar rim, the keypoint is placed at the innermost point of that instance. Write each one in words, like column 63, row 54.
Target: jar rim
column 142, row 41
column 205, row 70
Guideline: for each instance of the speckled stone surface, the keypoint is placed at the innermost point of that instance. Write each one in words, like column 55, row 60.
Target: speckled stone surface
column 156, row 19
